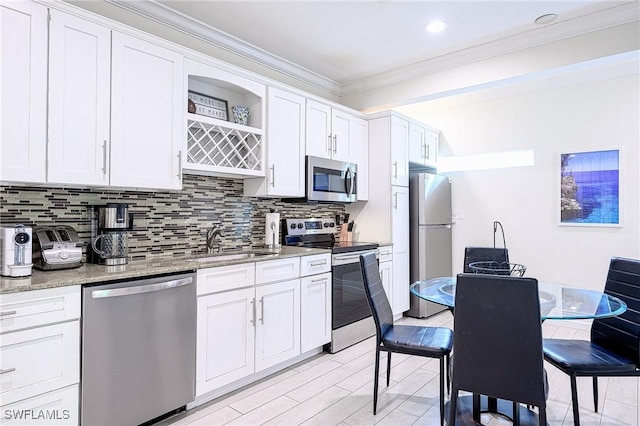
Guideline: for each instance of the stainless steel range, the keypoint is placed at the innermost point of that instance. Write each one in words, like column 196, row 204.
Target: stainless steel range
column 351, row 320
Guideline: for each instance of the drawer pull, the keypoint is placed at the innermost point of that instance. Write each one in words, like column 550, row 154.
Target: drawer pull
column 319, row 280
column 3, row 314
column 318, row 263
column 8, row 370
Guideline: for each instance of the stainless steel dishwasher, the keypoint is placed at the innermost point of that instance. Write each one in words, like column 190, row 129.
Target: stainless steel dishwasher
column 138, row 349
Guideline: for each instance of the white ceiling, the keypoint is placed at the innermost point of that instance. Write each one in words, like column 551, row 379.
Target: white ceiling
column 346, row 41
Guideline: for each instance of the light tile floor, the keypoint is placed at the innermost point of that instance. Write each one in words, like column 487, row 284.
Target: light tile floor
column 336, row 389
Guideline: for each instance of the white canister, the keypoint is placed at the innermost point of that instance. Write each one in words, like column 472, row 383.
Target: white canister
column 272, row 230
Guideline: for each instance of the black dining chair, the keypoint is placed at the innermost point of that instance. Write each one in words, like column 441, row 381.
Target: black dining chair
column 614, row 348
column 498, row 336
column 485, row 254
column 431, row 342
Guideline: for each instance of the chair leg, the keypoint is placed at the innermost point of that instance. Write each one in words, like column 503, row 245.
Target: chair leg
column 441, row 391
column 542, row 415
column 375, row 380
column 574, row 400
column 516, row 414
column 448, row 375
column 453, row 407
column 388, row 367
column 595, row 392
column 475, row 413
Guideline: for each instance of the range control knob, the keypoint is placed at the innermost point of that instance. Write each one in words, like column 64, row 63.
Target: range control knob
column 331, row 224
column 64, row 255
column 326, row 224
column 293, row 226
column 299, row 226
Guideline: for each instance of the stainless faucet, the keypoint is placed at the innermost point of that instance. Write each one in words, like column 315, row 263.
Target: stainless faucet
column 213, row 244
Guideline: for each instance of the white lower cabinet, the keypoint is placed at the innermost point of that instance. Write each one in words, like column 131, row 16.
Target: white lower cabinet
column 58, row 407
column 386, row 271
column 277, row 323
column 315, row 311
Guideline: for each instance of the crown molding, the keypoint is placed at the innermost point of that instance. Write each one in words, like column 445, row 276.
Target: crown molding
column 166, row 16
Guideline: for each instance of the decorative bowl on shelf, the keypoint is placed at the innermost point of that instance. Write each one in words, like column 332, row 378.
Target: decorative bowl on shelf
column 240, row 114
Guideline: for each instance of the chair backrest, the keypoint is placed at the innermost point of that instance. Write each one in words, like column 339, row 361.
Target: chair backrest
column 497, row 335
column 378, row 302
column 484, row 254
column 621, row 334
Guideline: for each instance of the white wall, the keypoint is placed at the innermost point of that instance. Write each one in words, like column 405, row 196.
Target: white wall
column 592, row 115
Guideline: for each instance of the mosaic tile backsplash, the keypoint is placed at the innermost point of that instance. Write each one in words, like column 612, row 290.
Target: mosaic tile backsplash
column 171, row 223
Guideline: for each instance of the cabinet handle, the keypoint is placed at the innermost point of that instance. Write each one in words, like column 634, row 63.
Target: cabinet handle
column 395, row 170
column 2, row 314
column 273, row 175
column 180, row 164
column 262, row 310
column 253, row 311
column 8, row 370
column 335, row 144
column 424, row 150
column 395, row 200
column 318, row 263
column 104, row 157
column 329, row 144
column 319, row 280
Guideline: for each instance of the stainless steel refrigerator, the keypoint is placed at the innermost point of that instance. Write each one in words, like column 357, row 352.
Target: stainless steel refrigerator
column 430, row 223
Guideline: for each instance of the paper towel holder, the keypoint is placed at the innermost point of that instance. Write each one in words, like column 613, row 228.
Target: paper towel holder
column 272, row 231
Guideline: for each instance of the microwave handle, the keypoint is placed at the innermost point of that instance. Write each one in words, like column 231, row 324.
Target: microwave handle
column 349, row 182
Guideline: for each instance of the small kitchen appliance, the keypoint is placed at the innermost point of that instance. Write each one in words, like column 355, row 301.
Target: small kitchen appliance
column 110, row 226
column 56, row 247
column 351, row 320
column 16, row 251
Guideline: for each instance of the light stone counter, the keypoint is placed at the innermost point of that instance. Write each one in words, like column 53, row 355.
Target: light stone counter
column 158, row 265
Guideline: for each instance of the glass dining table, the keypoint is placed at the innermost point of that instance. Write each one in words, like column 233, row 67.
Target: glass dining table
column 557, row 301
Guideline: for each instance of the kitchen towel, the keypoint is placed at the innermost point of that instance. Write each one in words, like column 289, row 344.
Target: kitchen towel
column 272, row 230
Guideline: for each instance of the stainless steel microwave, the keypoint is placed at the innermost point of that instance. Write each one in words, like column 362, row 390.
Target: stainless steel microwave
column 331, row 180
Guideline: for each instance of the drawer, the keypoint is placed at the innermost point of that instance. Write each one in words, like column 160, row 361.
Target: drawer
column 224, row 278
column 39, row 360
column 386, row 253
column 58, row 407
column 277, row 270
column 316, row 264
column 39, row 307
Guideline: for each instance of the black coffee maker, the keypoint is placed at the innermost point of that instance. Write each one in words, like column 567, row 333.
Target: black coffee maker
column 110, row 226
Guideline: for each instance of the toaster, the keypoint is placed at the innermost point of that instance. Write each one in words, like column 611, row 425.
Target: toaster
column 56, row 247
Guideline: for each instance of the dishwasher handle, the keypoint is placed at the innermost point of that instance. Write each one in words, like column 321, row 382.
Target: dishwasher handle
column 127, row 291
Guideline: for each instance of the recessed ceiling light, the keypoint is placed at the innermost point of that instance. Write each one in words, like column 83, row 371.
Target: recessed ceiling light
column 435, row 26
column 546, row 19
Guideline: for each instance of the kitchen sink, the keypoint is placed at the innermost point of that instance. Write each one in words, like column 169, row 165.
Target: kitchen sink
column 222, row 257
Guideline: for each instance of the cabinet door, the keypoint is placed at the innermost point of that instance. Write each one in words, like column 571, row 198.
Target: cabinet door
column 432, row 139
column 386, row 274
column 417, row 144
column 399, row 152
column 146, row 114
column 79, row 99
column 23, row 98
column 315, row 311
column 400, row 234
column 359, row 149
column 64, row 402
column 285, row 130
column 341, row 129
column 278, row 323
column 319, row 141
column 225, row 338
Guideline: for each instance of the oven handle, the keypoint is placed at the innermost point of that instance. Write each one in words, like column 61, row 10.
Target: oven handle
column 345, row 259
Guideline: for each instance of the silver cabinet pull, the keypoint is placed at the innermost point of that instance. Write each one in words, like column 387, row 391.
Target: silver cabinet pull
column 329, row 144
column 319, row 280
column 424, row 151
column 395, row 170
column 6, row 313
column 127, row 291
column 104, row 157
column 318, row 263
column 335, row 144
column 8, row 370
column 262, row 310
column 273, row 175
column 180, row 164
column 427, row 153
column 395, row 200
column 253, row 311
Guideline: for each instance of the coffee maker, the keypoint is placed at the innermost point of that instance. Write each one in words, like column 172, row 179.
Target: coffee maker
column 110, row 226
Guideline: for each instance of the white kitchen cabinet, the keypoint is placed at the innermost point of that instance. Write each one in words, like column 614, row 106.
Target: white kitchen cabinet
column 23, row 98
column 400, row 229
column 399, row 151
column 285, row 148
column 61, row 402
column 315, row 264
column 359, row 149
column 423, row 144
column 79, row 101
column 386, row 270
column 328, row 132
column 225, row 338
column 277, row 323
column 277, row 270
column 147, row 104
column 315, row 311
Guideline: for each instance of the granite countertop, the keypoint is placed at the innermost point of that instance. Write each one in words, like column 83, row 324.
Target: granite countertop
column 158, row 265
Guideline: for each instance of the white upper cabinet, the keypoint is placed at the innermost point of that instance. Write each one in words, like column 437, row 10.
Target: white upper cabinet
column 285, row 148
column 79, row 100
column 23, row 98
column 359, row 141
column 146, row 114
column 399, row 152
column 328, row 132
column 423, row 144
column 218, row 145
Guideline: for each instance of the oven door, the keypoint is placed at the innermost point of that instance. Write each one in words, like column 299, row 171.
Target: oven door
column 330, row 180
column 349, row 299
